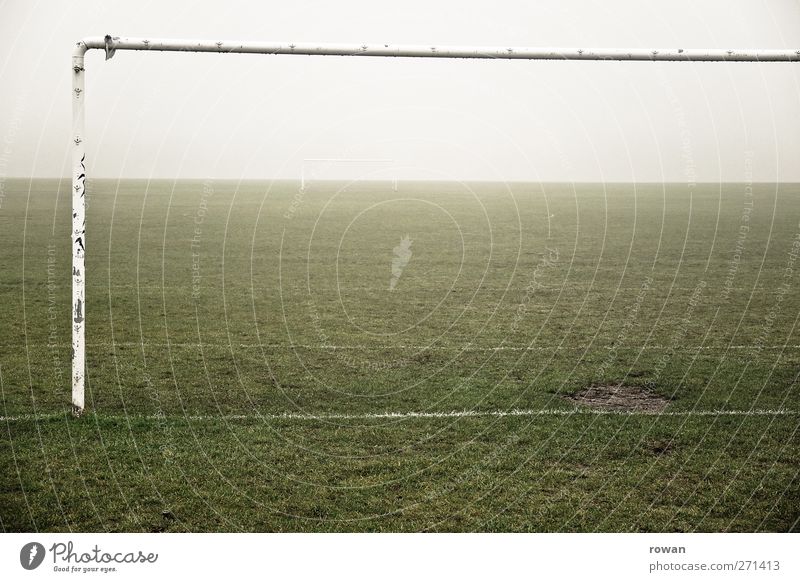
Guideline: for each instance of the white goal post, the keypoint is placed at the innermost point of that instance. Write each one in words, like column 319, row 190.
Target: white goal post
column 331, row 162
column 111, row 44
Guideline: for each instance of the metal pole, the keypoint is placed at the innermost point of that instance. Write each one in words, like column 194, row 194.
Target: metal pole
column 112, row 44
column 78, row 231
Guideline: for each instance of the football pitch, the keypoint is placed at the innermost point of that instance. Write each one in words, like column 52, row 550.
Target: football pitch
column 447, row 357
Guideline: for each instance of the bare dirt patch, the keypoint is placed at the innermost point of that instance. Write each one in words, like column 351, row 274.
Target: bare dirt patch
column 661, row 447
column 619, row 397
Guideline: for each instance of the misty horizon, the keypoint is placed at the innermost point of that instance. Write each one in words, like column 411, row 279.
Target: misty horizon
column 259, row 116
column 378, row 180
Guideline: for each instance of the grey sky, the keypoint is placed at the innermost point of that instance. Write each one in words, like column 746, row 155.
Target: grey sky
column 258, row 116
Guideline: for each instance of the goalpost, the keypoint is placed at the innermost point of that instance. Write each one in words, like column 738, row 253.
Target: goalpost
column 112, row 44
column 331, row 162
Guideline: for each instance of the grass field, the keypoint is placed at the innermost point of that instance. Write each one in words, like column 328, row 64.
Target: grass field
column 249, row 367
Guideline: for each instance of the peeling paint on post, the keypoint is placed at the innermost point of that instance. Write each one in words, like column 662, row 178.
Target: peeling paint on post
column 78, row 231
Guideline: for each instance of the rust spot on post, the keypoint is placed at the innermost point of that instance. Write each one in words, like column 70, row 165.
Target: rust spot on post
column 78, row 312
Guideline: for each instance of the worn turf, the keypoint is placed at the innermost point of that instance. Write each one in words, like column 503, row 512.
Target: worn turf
column 258, row 357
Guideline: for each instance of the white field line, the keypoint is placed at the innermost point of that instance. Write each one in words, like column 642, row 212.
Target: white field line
column 464, row 348
column 187, row 288
column 412, row 415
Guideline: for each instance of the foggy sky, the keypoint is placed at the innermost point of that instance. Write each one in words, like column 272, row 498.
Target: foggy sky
column 258, row 116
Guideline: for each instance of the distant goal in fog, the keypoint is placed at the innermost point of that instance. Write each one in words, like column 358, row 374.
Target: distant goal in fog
column 351, row 169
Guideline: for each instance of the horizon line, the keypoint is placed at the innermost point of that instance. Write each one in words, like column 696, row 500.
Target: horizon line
column 410, row 180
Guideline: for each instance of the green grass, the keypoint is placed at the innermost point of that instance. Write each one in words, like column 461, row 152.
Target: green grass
column 214, row 308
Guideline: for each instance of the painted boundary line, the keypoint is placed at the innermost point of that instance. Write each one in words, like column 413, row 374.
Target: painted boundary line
column 414, row 415
column 443, row 348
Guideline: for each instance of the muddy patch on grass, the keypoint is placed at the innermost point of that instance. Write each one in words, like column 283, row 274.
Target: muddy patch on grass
column 619, row 398
column 661, row 447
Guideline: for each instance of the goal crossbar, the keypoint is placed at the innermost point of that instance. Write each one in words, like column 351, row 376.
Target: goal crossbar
column 111, row 44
